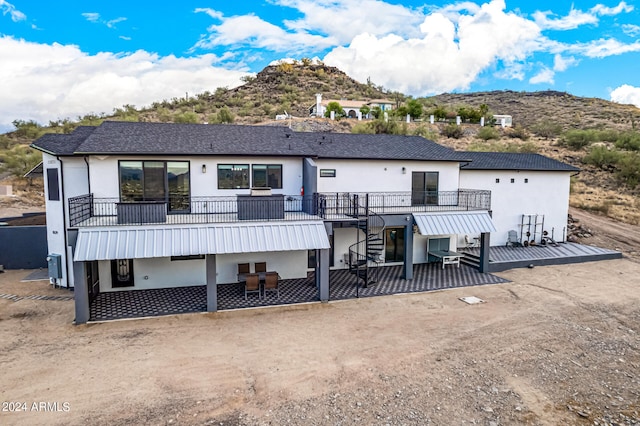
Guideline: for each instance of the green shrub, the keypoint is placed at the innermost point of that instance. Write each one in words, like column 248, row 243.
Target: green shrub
column 629, row 170
column 518, row 132
column 578, row 139
column 186, row 117
column 601, row 156
column 629, row 141
column 452, row 131
column 225, row 116
column 529, row 147
column 488, row 133
column 425, row 132
column 547, row 129
column 28, row 129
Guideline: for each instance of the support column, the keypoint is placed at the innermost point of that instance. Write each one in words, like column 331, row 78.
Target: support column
column 81, row 293
column 484, row 252
column 212, row 285
column 322, row 274
column 407, row 271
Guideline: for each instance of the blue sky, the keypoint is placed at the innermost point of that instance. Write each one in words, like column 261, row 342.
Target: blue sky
column 62, row 59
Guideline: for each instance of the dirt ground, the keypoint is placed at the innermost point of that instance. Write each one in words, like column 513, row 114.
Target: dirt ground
column 557, row 345
column 608, row 233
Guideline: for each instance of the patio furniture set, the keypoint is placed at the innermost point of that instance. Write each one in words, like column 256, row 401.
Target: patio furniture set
column 260, row 281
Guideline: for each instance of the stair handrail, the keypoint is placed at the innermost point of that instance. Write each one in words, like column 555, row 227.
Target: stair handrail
column 374, row 229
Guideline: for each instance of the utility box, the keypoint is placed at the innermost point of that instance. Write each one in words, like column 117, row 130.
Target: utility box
column 54, row 264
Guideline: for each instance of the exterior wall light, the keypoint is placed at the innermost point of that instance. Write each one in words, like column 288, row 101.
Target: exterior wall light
column 404, row 170
column 204, row 168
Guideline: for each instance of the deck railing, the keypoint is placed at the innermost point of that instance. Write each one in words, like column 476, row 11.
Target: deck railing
column 88, row 210
column 351, row 204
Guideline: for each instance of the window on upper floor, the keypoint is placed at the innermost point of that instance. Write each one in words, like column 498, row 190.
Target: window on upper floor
column 165, row 181
column 233, row 176
column 266, row 175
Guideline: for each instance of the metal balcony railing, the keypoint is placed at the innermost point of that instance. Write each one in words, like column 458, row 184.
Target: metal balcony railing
column 88, row 210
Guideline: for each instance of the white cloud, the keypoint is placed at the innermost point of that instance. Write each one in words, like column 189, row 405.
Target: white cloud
column 576, row 17
column 46, row 82
column 626, row 94
column 91, row 16
column 631, row 30
column 252, row 31
column 96, row 19
column 603, row 47
column 603, row 10
column 561, row 64
column 546, row 75
column 450, row 54
column 15, row 14
column 345, row 20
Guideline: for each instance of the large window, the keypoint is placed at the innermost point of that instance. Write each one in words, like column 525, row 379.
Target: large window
column 233, row 176
column 165, row 181
column 267, row 175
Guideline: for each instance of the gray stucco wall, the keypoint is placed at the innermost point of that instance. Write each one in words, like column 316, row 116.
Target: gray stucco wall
column 23, row 247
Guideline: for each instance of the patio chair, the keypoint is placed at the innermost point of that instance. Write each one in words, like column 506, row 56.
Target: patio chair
column 512, row 239
column 243, row 268
column 271, row 283
column 261, row 266
column 471, row 242
column 252, row 285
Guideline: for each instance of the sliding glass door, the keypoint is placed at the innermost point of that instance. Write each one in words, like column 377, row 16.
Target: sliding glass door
column 424, row 188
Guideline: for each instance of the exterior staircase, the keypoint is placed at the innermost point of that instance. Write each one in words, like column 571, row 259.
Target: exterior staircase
column 470, row 259
column 366, row 255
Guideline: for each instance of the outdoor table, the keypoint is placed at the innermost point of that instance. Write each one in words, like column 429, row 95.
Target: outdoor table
column 448, row 257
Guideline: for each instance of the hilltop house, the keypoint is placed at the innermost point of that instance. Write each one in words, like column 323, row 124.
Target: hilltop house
column 351, row 107
column 160, row 205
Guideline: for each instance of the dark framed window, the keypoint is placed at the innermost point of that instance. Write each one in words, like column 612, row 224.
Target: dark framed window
column 233, row 176
column 327, row 172
column 53, row 184
column 166, row 181
column 266, row 175
column 497, row 180
column 513, row 180
column 526, row 180
column 424, row 188
column 189, row 257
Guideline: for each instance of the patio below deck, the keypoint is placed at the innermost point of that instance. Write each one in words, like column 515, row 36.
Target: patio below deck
column 170, row 301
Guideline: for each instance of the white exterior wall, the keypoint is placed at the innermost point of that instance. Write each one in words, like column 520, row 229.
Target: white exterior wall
column 546, row 193
column 104, row 174
column 383, row 175
column 163, row 273
column 72, row 177
column 56, row 226
column 288, row 264
column 342, row 239
column 160, row 272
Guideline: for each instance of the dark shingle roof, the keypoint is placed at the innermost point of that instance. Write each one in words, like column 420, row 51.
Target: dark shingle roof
column 210, row 139
column 387, row 147
column 65, row 144
column 513, row 161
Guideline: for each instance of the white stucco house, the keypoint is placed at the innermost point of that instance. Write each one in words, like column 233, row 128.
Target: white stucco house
column 351, row 107
column 134, row 206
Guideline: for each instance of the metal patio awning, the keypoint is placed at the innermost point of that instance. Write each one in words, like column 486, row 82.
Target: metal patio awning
column 154, row 241
column 473, row 222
